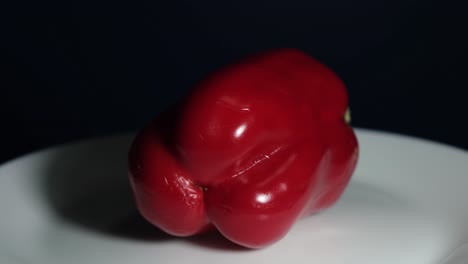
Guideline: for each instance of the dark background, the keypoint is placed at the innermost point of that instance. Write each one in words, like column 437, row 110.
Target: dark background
column 81, row 69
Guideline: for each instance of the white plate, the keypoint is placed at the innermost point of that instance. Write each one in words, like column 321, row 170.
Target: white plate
column 407, row 203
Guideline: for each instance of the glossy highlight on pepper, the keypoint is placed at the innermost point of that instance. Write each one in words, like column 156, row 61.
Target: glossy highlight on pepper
column 255, row 147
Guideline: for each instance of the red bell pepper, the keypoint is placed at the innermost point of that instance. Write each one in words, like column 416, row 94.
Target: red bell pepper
column 252, row 149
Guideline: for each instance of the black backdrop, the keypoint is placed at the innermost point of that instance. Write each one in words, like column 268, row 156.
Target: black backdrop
column 81, row 69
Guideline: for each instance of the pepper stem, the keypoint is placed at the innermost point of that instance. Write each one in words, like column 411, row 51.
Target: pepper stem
column 347, row 116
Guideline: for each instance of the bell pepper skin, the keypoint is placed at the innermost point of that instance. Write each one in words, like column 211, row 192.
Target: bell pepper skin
column 256, row 146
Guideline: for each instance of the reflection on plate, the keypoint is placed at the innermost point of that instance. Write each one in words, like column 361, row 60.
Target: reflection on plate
column 406, row 204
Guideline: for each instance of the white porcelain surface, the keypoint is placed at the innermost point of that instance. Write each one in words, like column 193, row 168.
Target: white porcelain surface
column 407, row 204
